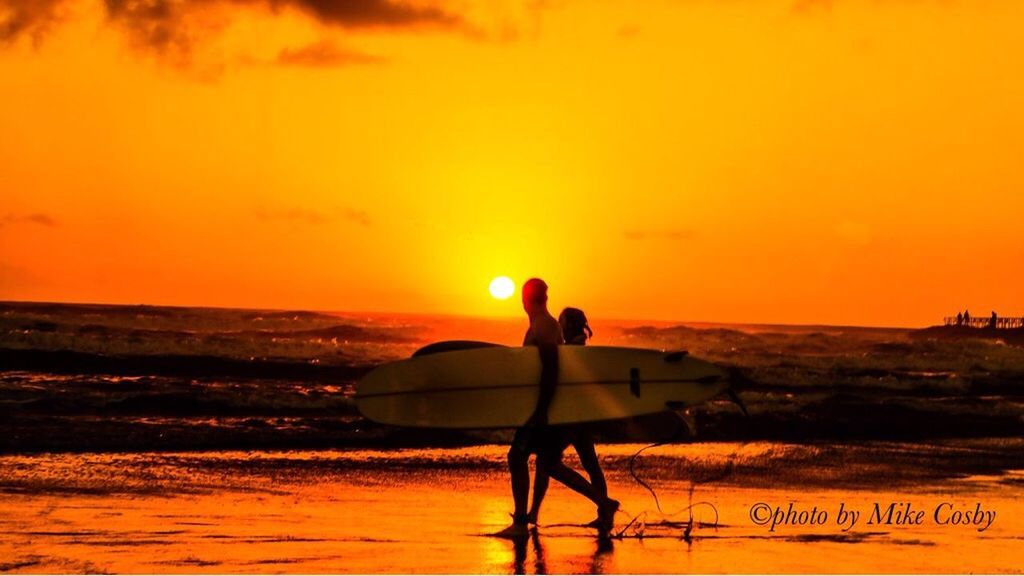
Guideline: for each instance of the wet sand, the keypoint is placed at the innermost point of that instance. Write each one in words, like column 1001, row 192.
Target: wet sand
column 429, row 510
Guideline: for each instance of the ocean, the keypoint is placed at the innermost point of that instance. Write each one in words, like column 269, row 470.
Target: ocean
column 115, row 378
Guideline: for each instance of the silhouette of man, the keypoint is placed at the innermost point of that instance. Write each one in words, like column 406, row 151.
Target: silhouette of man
column 959, row 318
column 994, row 321
column 967, row 317
column 536, row 437
column 545, row 334
column 575, row 331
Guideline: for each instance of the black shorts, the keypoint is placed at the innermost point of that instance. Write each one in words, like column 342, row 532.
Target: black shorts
column 544, row 441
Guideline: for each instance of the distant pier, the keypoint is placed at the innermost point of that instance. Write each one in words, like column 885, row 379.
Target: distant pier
column 986, row 322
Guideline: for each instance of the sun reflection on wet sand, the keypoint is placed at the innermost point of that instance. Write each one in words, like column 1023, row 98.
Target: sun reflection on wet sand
column 430, row 511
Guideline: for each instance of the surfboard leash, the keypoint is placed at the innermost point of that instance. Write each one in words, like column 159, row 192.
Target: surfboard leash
column 640, row 519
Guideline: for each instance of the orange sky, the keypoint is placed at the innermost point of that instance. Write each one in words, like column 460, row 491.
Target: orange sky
column 802, row 161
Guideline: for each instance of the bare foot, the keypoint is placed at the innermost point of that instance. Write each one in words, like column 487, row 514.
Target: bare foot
column 606, row 515
column 514, row 530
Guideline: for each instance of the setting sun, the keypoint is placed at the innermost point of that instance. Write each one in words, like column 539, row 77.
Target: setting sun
column 502, row 287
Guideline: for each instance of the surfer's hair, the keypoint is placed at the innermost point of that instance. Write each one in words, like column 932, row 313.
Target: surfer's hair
column 535, row 291
column 575, row 327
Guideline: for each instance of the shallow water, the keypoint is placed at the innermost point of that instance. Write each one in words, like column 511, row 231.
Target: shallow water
column 429, row 510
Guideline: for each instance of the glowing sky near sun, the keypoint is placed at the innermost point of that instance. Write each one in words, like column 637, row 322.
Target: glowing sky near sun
column 777, row 161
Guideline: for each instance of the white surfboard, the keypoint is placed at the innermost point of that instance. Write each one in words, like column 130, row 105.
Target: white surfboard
column 497, row 386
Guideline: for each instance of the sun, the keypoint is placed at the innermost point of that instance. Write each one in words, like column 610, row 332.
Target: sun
column 502, row 287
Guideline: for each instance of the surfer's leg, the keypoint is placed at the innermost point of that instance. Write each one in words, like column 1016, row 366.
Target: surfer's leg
column 519, row 469
column 588, row 458
column 540, row 488
column 575, row 481
column 606, row 509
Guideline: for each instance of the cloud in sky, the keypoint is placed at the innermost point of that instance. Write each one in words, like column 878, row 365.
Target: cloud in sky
column 28, row 17
column 314, row 217
column 37, row 218
column 161, row 24
column 357, row 216
column 158, row 18
column 325, row 53
column 373, row 13
column 174, row 29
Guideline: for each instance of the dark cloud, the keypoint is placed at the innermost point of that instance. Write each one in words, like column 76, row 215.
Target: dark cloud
column 658, row 234
column 158, row 24
column 173, row 28
column 28, row 18
column 305, row 216
column 372, row 13
column 165, row 22
column 34, row 218
column 324, row 54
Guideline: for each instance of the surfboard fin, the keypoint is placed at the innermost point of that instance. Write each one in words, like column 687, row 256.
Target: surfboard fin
column 634, row 382
column 676, row 356
column 736, row 399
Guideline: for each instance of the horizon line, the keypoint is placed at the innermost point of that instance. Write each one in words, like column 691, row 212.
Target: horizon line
column 466, row 316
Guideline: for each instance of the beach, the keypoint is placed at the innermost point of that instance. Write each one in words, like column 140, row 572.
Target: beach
column 170, row 440
column 430, row 510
